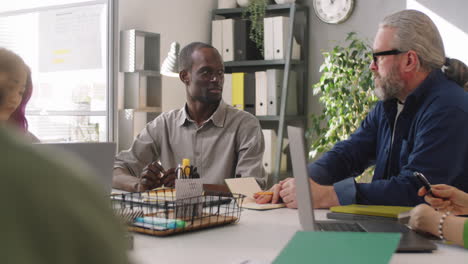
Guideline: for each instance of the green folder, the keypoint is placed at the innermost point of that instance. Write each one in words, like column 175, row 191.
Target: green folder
column 339, row 247
column 376, row 210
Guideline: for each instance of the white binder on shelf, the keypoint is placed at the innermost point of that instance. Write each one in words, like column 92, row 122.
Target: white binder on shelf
column 228, row 39
column 140, row 52
column 270, row 146
column 274, row 85
column 281, row 34
column 135, row 90
column 227, row 88
column 217, row 35
column 269, row 155
column 268, row 46
column 261, row 98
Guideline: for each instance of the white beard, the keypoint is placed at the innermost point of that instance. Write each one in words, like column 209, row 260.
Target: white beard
column 388, row 87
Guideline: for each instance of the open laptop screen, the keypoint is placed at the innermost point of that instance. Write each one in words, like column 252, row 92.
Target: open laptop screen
column 303, row 193
column 98, row 156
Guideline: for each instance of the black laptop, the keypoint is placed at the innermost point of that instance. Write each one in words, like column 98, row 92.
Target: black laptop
column 410, row 241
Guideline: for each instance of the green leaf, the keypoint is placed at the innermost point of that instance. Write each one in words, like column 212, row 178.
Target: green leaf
column 345, row 91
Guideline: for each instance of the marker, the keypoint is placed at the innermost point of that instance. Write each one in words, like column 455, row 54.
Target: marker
column 162, row 222
column 186, row 168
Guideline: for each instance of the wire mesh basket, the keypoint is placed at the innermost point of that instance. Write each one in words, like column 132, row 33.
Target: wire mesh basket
column 159, row 213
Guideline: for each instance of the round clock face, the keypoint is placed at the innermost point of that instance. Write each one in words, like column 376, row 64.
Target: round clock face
column 333, row 11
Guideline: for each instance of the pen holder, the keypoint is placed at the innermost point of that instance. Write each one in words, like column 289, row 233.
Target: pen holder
column 188, row 198
column 187, row 172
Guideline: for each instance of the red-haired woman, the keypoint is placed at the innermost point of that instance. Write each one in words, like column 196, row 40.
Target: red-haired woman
column 16, row 84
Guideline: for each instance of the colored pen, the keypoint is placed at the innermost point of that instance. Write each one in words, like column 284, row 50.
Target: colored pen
column 264, row 193
column 163, row 222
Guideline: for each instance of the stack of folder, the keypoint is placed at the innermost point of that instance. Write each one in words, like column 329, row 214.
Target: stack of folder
column 276, row 39
column 243, row 91
column 259, row 93
column 370, row 212
column 268, row 86
column 231, row 38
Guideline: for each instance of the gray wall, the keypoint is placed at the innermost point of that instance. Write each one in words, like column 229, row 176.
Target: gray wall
column 183, row 21
column 364, row 20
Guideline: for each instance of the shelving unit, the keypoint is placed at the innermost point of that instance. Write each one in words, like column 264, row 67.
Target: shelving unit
column 298, row 26
column 139, row 61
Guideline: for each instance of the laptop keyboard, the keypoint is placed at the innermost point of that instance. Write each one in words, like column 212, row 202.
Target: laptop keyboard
column 349, row 227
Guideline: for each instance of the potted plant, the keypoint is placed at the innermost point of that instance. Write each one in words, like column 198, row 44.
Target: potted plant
column 255, row 11
column 346, row 92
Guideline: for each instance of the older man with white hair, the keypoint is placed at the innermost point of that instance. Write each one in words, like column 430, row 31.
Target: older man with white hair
column 420, row 124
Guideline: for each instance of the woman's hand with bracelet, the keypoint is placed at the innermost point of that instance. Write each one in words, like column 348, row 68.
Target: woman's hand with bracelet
column 426, row 219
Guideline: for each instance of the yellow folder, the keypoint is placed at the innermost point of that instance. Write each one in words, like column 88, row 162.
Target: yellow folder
column 376, row 210
column 238, row 90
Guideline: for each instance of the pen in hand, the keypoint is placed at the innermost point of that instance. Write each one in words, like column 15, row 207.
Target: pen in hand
column 153, row 175
column 425, row 183
column 264, row 193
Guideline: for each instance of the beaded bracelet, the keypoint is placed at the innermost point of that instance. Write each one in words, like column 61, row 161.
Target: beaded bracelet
column 441, row 224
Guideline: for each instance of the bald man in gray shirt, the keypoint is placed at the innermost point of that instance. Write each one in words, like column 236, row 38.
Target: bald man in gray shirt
column 220, row 140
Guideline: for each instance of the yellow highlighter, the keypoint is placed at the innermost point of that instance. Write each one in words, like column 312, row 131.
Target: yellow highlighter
column 186, row 168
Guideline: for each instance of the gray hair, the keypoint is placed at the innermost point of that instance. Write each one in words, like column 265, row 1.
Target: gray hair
column 416, row 31
column 185, row 56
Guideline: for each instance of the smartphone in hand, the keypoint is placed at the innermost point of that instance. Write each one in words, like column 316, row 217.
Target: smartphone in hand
column 424, row 182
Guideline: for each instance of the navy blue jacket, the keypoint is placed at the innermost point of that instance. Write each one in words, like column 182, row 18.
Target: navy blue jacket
column 431, row 137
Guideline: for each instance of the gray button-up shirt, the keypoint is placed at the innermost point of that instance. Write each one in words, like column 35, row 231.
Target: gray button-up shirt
column 230, row 142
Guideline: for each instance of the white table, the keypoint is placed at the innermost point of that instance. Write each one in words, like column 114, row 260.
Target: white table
column 259, row 236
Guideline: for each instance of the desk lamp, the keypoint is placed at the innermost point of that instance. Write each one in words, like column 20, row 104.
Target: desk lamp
column 170, row 64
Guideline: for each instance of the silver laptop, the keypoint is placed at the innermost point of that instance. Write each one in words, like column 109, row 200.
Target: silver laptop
column 99, row 157
column 410, row 240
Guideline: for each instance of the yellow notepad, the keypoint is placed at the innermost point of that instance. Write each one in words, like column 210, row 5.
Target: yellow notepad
column 376, row 210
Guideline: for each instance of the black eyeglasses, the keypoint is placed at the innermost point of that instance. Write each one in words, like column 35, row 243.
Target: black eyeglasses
column 385, row 53
column 209, row 75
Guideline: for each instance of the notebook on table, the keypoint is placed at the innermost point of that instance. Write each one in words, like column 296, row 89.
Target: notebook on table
column 99, row 156
column 248, row 186
column 410, row 241
column 370, row 212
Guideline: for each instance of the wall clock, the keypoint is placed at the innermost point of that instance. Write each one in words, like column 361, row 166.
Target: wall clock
column 333, row 11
